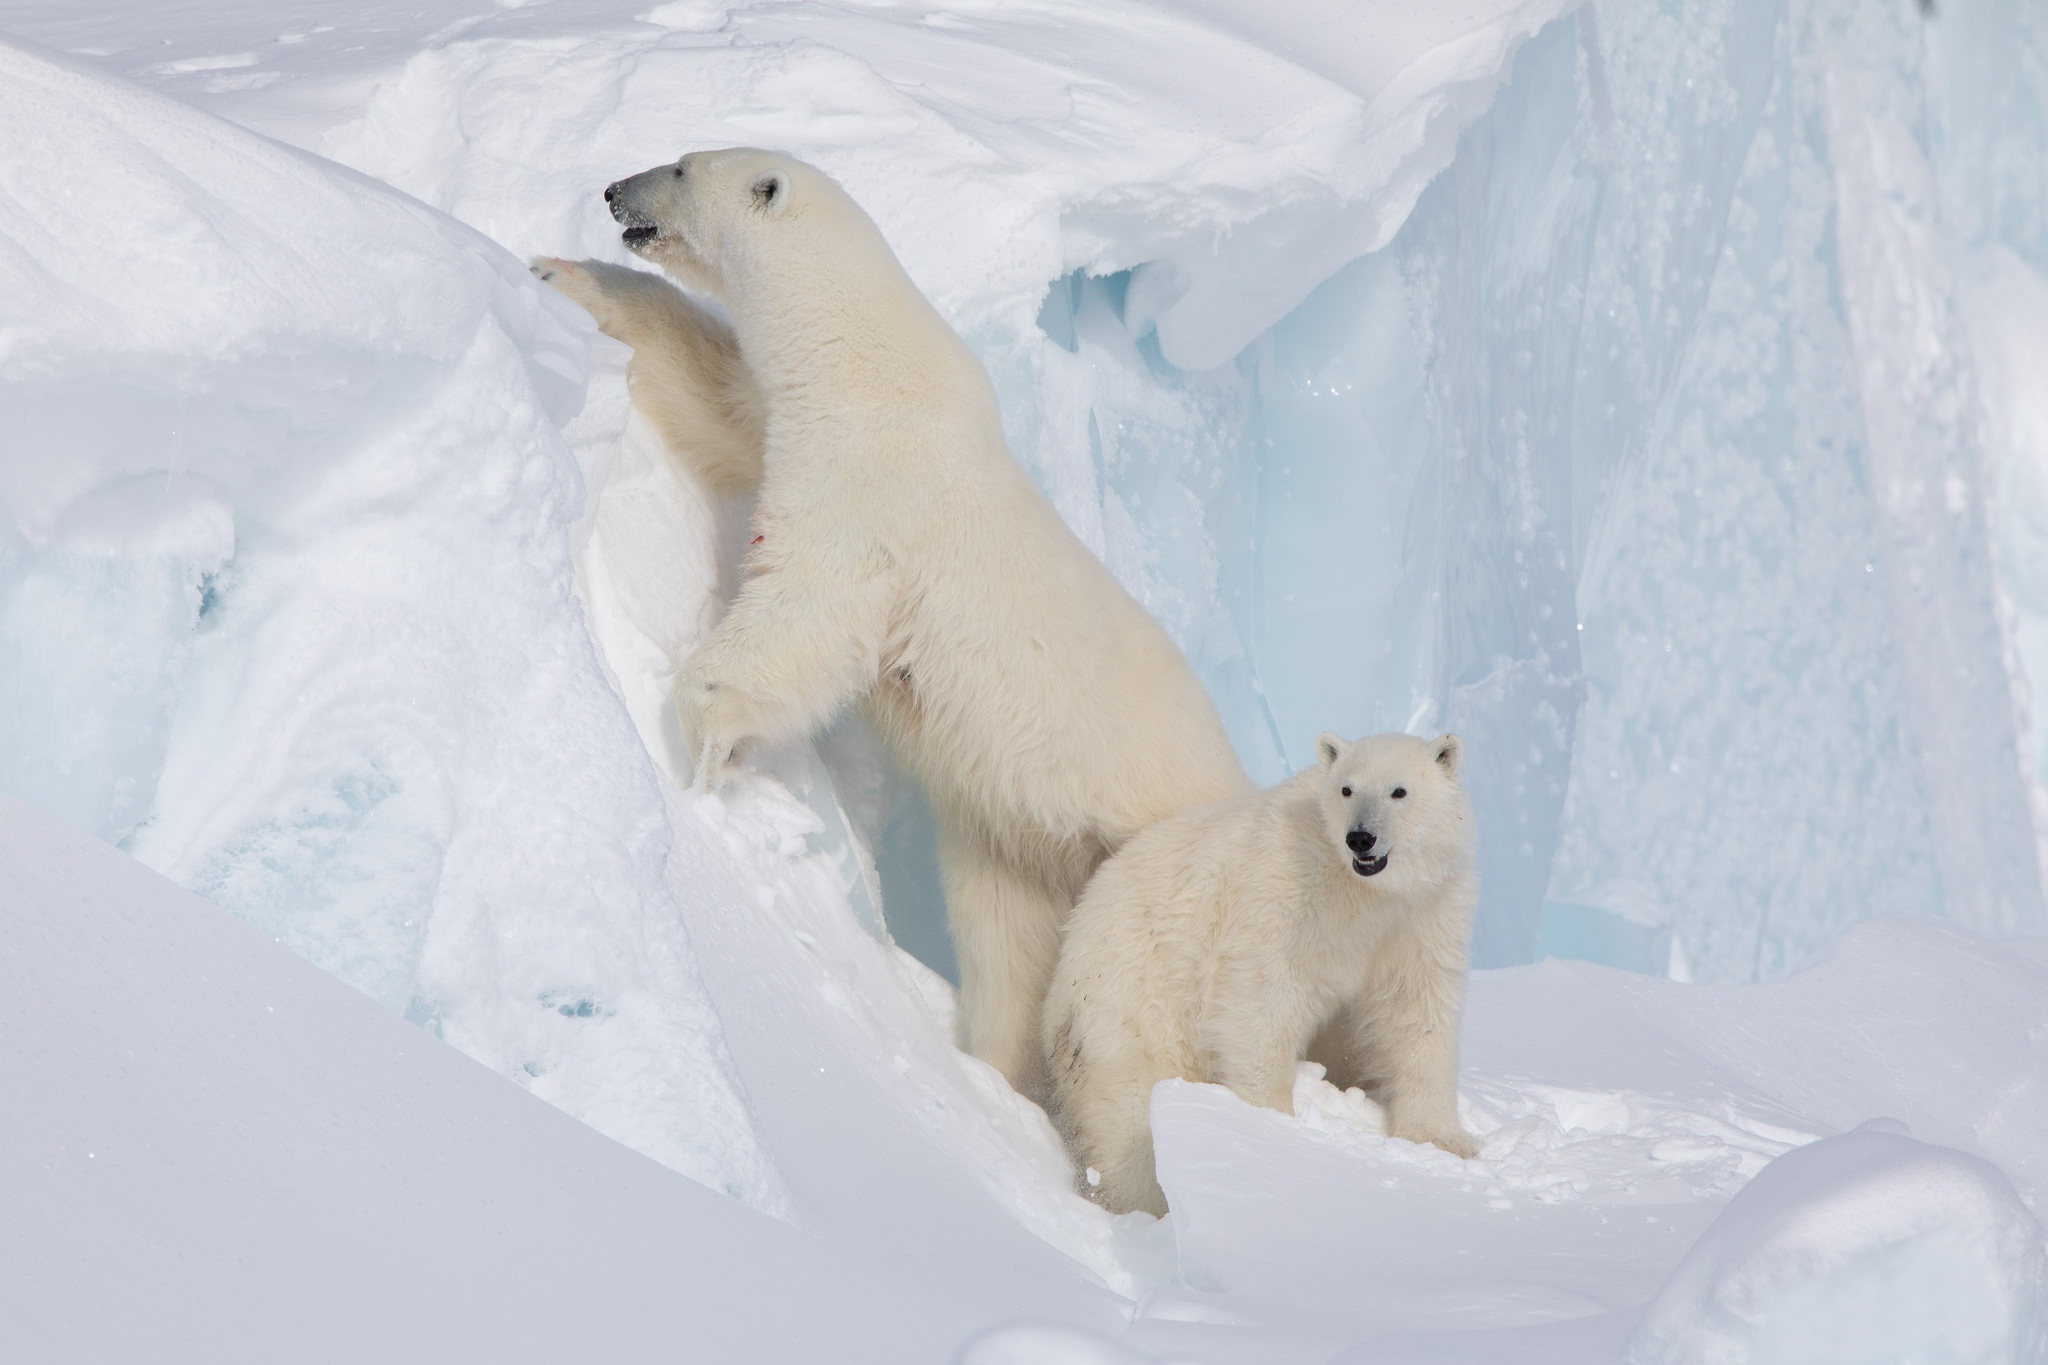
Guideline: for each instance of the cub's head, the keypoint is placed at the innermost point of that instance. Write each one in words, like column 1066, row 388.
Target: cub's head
column 711, row 213
column 1393, row 806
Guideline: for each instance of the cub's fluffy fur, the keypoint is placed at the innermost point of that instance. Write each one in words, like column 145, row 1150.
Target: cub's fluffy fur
column 1218, row 945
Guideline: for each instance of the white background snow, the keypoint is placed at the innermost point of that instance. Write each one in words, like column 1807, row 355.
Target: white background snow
column 1653, row 393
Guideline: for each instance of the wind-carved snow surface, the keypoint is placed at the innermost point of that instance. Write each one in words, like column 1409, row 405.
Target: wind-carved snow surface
column 287, row 610
column 1869, row 1246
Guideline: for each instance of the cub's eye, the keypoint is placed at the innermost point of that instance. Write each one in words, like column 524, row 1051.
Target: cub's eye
column 1347, row 791
column 1400, row 792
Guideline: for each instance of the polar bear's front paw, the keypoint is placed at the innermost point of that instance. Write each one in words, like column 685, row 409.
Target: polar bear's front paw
column 579, row 284
column 709, row 736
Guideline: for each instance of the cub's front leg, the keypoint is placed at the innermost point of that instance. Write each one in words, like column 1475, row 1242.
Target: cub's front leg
column 1256, row 1058
column 1408, row 1030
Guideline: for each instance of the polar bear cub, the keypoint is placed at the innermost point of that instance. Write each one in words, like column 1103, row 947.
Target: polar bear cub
column 1216, row 946
column 902, row 562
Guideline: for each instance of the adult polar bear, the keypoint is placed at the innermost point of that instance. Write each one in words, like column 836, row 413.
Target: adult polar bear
column 903, row 561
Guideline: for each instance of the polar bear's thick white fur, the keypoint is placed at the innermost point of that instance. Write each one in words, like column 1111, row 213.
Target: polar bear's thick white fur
column 686, row 375
column 903, row 561
column 1216, row 946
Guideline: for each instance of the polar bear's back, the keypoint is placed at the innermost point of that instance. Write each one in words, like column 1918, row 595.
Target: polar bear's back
column 1028, row 690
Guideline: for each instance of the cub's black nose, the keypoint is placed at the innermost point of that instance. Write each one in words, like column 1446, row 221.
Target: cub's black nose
column 610, row 190
column 1360, row 841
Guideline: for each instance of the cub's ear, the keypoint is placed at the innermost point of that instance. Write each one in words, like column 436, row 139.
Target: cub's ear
column 1450, row 752
column 1329, row 748
column 771, row 193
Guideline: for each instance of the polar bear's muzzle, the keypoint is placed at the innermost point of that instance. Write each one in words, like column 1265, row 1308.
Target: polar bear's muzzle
column 624, row 198
column 1360, row 842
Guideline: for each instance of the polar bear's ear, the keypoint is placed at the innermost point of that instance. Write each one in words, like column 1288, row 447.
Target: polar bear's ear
column 1329, row 748
column 1450, row 752
column 771, row 193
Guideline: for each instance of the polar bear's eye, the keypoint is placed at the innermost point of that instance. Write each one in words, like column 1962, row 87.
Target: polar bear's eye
column 1347, row 791
column 1400, row 792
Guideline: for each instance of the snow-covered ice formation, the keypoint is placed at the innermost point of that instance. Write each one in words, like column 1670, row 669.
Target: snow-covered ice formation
column 1649, row 391
column 288, row 610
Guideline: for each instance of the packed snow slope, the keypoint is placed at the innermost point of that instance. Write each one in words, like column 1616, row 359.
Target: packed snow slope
column 213, row 1152
column 1678, row 442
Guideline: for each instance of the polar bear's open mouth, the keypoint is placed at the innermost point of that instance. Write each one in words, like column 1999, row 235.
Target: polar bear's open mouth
column 1369, row 867
column 639, row 228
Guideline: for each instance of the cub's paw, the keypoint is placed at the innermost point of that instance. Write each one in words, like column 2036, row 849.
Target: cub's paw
column 1447, row 1135
column 1456, row 1143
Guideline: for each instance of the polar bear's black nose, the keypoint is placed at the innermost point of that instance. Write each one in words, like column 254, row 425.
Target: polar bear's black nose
column 610, row 191
column 1360, row 841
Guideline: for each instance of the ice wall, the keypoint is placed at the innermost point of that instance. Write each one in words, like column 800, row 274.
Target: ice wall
column 1663, row 452
column 1797, row 710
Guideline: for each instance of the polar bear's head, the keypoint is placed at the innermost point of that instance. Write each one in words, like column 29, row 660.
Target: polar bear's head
column 1394, row 801
column 711, row 218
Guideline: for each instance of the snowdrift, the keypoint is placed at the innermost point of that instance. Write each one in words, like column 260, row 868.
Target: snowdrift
column 287, row 603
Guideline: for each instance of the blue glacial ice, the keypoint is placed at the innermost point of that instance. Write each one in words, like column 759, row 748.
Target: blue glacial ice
column 1674, row 451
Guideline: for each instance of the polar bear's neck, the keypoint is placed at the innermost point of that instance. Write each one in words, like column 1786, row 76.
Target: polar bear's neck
column 847, row 325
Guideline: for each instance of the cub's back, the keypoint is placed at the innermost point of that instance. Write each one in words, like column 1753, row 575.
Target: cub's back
column 1162, row 910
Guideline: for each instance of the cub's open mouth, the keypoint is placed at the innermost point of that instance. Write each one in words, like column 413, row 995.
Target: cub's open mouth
column 1369, row 867
column 638, row 234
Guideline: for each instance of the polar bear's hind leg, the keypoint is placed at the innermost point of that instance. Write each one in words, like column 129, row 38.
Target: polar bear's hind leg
column 1006, row 935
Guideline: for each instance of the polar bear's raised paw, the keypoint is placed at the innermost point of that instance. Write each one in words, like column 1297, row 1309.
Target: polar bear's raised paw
column 585, row 286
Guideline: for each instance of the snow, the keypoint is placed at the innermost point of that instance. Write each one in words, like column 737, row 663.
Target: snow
column 288, row 603
column 1862, row 1247
column 1617, row 1116
column 1649, row 393
column 212, row 1151
column 215, row 1151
